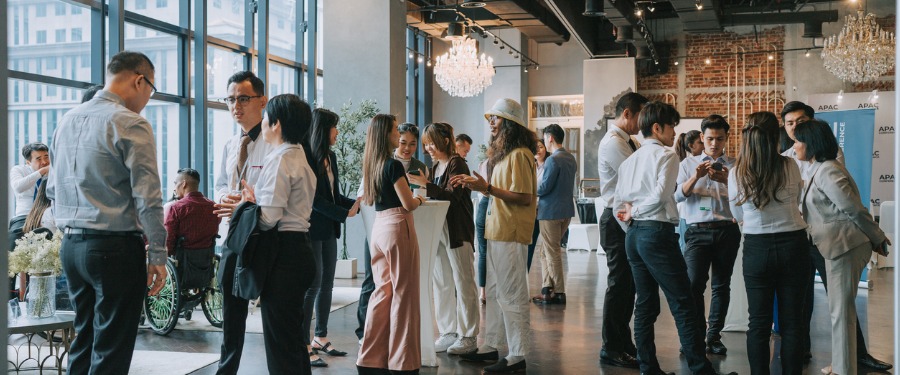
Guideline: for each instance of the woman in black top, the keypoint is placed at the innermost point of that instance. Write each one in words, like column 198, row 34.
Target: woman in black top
column 391, row 340
column 330, row 209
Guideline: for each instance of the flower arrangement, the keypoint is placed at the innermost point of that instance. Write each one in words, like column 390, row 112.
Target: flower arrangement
column 36, row 253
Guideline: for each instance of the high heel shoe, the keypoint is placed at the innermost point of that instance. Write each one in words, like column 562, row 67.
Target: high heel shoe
column 317, row 363
column 324, row 348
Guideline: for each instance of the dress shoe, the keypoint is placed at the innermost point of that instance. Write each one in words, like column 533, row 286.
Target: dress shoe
column 716, row 347
column 545, row 296
column 558, row 299
column 372, row 371
column 319, row 362
column 503, row 367
column 657, row 372
column 872, row 363
column 617, row 359
column 478, row 357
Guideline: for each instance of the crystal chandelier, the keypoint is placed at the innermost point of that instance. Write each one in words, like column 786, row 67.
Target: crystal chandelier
column 861, row 52
column 460, row 71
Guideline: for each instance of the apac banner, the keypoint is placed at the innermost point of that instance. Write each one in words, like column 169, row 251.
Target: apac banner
column 882, row 152
column 854, row 132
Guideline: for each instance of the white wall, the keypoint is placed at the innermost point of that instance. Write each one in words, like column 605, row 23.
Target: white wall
column 561, row 71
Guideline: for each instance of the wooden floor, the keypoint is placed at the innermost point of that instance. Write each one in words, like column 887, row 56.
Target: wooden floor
column 566, row 339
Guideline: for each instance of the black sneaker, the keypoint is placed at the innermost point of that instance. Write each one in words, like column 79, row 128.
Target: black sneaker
column 479, row 357
column 503, row 367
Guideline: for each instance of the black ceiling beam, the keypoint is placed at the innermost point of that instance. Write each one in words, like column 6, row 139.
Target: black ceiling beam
column 779, row 18
column 445, row 16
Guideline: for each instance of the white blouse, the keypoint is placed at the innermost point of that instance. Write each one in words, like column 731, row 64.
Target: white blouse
column 775, row 217
column 285, row 189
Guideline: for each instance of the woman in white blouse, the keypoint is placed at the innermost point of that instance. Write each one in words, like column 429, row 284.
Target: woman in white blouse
column 764, row 192
column 284, row 193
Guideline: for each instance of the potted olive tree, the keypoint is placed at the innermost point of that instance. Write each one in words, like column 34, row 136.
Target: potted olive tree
column 349, row 149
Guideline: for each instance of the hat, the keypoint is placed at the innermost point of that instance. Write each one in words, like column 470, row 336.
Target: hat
column 508, row 109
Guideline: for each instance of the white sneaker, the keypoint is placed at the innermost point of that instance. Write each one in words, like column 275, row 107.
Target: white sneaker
column 444, row 342
column 464, row 345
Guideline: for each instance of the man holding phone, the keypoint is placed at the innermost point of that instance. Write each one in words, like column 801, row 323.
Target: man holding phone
column 712, row 238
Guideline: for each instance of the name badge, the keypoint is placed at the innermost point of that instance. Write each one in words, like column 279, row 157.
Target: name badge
column 706, row 203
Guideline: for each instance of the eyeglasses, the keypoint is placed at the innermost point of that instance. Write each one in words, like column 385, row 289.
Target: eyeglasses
column 243, row 99
column 152, row 86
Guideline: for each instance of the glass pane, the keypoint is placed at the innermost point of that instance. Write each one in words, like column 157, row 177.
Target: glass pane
column 320, row 86
column 225, row 20
column 163, row 10
column 164, row 118
column 283, row 28
column 51, row 39
column 320, row 26
column 161, row 48
column 221, row 127
column 282, row 79
column 220, row 66
column 34, row 111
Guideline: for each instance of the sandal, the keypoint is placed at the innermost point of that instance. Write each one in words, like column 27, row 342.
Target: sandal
column 324, row 348
column 317, row 363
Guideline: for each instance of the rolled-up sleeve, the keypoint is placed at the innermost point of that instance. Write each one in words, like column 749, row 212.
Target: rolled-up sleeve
column 138, row 147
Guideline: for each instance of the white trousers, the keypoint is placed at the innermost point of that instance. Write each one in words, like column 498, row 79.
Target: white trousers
column 507, row 314
column 843, row 285
column 455, row 293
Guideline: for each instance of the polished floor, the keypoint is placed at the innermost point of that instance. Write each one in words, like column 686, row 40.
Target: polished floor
column 566, row 339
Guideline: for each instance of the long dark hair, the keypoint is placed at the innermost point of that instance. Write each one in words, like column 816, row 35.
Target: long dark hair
column 323, row 121
column 41, row 204
column 377, row 152
column 759, row 169
column 509, row 137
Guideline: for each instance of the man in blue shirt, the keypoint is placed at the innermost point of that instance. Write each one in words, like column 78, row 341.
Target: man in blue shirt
column 555, row 210
column 712, row 238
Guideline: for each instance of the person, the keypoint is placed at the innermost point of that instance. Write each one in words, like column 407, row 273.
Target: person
column 90, row 92
column 463, row 145
column 647, row 207
column 25, row 180
column 784, row 141
column 540, row 156
column 618, row 302
column 712, row 238
column 556, row 184
column 191, row 217
column 284, row 192
column 764, row 192
column 406, row 150
column 391, row 341
column 105, row 191
column 480, row 214
column 843, row 231
column 688, row 144
column 793, row 114
column 508, row 225
column 454, row 279
column 41, row 214
column 330, row 209
column 242, row 159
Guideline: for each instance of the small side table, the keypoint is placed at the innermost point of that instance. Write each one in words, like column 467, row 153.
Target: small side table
column 46, row 353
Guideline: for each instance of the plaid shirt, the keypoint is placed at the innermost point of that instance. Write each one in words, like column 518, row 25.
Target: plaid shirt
column 192, row 217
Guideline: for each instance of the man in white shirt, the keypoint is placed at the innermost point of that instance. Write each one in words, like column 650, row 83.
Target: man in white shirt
column 618, row 305
column 24, row 179
column 712, row 238
column 645, row 193
column 242, row 159
column 793, row 114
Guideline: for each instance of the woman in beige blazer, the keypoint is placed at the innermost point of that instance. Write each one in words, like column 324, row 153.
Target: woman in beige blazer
column 842, row 229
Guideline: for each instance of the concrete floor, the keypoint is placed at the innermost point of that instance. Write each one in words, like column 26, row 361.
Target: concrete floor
column 567, row 338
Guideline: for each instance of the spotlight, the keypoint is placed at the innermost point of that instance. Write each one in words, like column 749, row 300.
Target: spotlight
column 428, row 63
column 526, row 68
column 421, row 59
column 771, row 57
column 708, row 61
column 676, row 63
column 411, row 55
column 698, row 4
column 807, row 53
column 502, row 46
column 472, row 4
column 496, row 42
column 593, row 8
column 638, row 12
column 516, row 56
column 537, row 67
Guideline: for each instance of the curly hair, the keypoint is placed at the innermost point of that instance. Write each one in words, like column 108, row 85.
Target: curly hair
column 509, row 137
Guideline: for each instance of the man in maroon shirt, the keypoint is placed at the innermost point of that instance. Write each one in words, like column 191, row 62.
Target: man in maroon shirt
column 191, row 216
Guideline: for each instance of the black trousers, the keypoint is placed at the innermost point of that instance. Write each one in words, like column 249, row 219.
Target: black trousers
column 776, row 263
column 656, row 263
column 282, row 307
column 368, row 286
column 712, row 249
column 234, row 317
column 818, row 264
column 107, row 278
column 618, row 303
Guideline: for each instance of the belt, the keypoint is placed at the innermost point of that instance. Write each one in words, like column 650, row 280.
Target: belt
column 97, row 232
column 712, row 224
column 651, row 224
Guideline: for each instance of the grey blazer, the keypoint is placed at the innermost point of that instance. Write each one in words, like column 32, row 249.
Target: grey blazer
column 838, row 222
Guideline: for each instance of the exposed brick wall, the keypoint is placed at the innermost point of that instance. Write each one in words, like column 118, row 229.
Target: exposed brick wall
column 712, row 88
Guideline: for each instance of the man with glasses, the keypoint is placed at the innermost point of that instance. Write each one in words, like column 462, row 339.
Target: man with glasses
column 106, row 193
column 242, row 159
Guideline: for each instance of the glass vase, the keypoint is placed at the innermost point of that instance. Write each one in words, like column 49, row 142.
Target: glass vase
column 40, row 298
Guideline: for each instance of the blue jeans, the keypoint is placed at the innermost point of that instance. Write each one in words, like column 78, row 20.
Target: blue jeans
column 480, row 213
column 318, row 296
column 656, row 262
column 777, row 262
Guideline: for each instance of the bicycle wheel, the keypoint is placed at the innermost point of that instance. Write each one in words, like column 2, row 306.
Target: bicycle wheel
column 213, row 300
column 162, row 309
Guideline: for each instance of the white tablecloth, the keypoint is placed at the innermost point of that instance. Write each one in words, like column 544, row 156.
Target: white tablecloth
column 429, row 221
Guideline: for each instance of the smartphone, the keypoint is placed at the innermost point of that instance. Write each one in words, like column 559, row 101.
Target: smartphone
column 415, row 172
column 717, row 166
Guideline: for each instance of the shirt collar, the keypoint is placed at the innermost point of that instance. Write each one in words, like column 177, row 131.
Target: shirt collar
column 651, row 141
column 619, row 131
column 704, row 157
column 194, row 194
column 254, row 133
column 111, row 97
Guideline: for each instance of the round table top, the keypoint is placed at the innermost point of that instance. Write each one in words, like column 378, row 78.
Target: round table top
column 61, row 320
